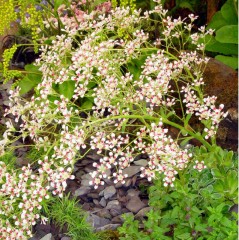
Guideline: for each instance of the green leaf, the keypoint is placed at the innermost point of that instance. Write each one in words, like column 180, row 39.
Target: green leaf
column 186, row 4
column 32, row 78
column 184, row 236
column 232, row 180
column 88, row 104
column 229, row 61
column 227, row 34
column 185, row 141
column 224, row 48
column 217, row 21
column 229, row 12
column 175, row 212
column 58, row 3
column 226, row 222
column 67, row 89
column 25, row 85
column 216, row 173
column 218, row 186
column 216, row 196
column 91, row 85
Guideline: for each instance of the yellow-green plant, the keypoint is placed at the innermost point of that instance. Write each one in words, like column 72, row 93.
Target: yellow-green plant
column 26, row 12
column 7, row 56
column 125, row 3
column 7, row 13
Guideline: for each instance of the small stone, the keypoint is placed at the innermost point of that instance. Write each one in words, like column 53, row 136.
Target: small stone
column 6, row 103
column 48, row 237
column 131, row 171
column 84, row 162
column 93, row 195
column 102, row 202
column 132, row 193
column 135, row 204
column 96, row 202
column 109, row 192
column 89, row 169
column 101, row 194
column 97, row 221
column 116, row 219
column 118, row 185
column 86, row 177
column 82, row 191
column 66, row 238
column 85, row 183
column 115, row 212
column 109, row 182
column 125, row 210
column 141, row 162
column 128, row 182
column 104, row 213
column 108, row 227
column 21, row 162
column 94, row 157
column 86, row 206
column 79, row 174
column 142, row 213
column 113, row 204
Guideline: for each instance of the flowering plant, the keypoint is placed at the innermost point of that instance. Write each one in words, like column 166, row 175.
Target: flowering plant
column 106, row 86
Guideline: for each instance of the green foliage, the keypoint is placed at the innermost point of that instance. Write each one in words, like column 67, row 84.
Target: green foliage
column 9, row 159
column 31, row 79
column 67, row 89
column 198, row 207
column 7, row 14
column 192, row 5
column 67, row 211
column 7, row 57
column 225, row 23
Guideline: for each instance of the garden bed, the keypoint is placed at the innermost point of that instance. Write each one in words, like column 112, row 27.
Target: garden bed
column 112, row 130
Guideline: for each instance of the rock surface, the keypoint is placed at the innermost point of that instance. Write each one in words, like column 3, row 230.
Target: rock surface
column 48, row 237
column 222, row 81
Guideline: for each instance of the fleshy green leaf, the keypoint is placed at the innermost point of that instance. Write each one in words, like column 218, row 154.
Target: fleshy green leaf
column 67, row 89
column 186, row 4
column 227, row 34
column 229, row 61
column 217, row 21
column 184, row 236
column 87, row 105
column 32, row 78
column 229, row 12
column 224, row 48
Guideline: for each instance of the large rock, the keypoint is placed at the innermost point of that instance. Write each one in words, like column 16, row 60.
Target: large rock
column 222, row 81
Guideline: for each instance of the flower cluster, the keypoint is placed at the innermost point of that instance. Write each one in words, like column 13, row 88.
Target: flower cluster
column 22, row 194
column 205, row 109
column 164, row 155
column 106, row 87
